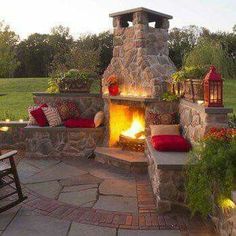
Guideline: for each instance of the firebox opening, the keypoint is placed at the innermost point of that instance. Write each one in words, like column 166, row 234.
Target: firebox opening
column 126, row 121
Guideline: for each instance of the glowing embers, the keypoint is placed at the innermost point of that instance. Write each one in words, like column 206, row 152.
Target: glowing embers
column 136, row 130
column 127, row 126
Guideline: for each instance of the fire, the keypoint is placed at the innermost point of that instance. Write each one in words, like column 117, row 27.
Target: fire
column 137, row 127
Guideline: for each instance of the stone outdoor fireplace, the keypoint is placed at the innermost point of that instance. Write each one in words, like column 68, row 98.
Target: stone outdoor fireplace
column 142, row 65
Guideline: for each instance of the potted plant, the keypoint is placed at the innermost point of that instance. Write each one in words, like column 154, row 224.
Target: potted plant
column 189, row 82
column 74, row 81
column 113, row 87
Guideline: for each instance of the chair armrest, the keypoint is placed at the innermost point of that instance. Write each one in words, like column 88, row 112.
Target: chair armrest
column 8, row 155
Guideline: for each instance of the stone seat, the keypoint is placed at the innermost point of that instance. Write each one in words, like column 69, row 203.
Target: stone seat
column 62, row 142
column 166, row 174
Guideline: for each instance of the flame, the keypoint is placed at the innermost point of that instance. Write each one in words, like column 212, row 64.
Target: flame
column 136, row 127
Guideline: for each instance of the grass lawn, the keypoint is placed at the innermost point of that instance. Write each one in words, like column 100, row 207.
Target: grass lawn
column 19, row 95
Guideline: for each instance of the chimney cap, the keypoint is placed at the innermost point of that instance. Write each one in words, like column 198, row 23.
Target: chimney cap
column 141, row 9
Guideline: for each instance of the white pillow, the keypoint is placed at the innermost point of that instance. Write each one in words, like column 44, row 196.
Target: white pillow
column 99, row 118
column 52, row 116
column 164, row 130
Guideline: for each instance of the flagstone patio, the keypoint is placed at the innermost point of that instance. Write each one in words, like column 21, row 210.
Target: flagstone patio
column 84, row 197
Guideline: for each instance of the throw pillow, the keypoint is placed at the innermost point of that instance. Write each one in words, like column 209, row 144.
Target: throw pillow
column 32, row 120
column 79, row 123
column 164, row 118
column 39, row 116
column 68, row 110
column 164, row 130
column 99, row 118
column 170, row 143
column 52, row 116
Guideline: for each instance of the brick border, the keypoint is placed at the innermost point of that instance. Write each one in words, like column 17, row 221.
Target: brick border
column 146, row 219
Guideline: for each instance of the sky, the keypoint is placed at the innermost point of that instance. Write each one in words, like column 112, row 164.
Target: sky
column 92, row 16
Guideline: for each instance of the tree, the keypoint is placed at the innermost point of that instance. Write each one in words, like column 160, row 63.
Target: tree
column 8, row 43
column 181, row 41
column 61, row 43
column 35, row 55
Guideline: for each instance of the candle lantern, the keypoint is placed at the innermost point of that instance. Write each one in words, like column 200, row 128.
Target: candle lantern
column 213, row 89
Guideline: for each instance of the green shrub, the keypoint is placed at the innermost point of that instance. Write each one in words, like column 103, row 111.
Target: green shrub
column 211, row 171
column 208, row 52
column 190, row 72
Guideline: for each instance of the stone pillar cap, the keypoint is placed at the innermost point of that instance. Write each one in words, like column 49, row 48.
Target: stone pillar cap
column 151, row 14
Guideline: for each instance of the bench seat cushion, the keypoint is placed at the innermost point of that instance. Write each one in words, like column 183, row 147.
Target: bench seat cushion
column 79, row 123
column 170, row 143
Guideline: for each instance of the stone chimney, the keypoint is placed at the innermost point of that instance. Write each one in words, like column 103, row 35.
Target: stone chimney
column 140, row 55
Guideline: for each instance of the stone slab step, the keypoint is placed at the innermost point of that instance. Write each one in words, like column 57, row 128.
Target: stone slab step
column 134, row 162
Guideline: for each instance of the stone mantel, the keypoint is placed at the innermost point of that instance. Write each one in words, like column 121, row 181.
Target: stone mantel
column 132, row 98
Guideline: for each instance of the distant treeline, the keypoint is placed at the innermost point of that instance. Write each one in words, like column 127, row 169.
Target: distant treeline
column 40, row 55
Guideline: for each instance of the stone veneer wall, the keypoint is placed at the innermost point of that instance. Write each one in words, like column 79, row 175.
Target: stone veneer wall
column 196, row 120
column 167, row 177
column 62, row 142
column 89, row 104
column 14, row 138
column 140, row 57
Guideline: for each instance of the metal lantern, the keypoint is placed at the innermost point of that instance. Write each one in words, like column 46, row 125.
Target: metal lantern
column 213, row 89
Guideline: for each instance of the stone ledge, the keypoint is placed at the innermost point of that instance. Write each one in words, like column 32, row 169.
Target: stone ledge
column 167, row 160
column 13, row 123
column 44, row 94
column 207, row 110
column 63, row 128
column 142, row 9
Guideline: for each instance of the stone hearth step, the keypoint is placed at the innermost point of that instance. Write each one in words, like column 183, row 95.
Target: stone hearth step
column 134, row 162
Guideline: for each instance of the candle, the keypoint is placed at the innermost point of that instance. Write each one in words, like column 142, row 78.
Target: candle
column 21, row 120
column 7, row 120
column 199, row 102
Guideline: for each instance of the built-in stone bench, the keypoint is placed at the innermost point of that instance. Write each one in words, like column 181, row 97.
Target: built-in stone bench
column 167, row 177
column 62, row 142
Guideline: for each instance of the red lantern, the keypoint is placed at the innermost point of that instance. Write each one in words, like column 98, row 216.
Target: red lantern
column 213, row 89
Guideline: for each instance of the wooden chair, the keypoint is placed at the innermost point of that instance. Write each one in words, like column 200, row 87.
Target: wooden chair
column 9, row 177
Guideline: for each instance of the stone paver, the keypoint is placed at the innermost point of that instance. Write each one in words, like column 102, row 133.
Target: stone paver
column 36, row 225
column 7, row 216
column 42, row 163
column 79, row 188
column 57, row 172
column 26, row 170
column 114, row 203
column 49, row 189
column 90, row 230
column 124, row 232
column 79, row 198
column 121, row 187
column 82, row 179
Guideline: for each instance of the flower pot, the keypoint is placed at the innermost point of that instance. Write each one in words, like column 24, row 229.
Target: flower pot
column 78, row 85
column 113, row 90
column 193, row 90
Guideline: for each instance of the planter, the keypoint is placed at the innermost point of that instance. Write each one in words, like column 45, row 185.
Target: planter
column 193, row 90
column 177, row 89
column 113, row 90
column 68, row 85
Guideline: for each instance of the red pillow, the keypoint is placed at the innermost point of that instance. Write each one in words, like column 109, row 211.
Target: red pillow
column 170, row 143
column 39, row 116
column 79, row 123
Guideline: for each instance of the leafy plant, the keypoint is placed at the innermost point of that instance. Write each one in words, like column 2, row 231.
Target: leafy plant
column 190, row 72
column 169, row 97
column 211, row 171
column 208, row 52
